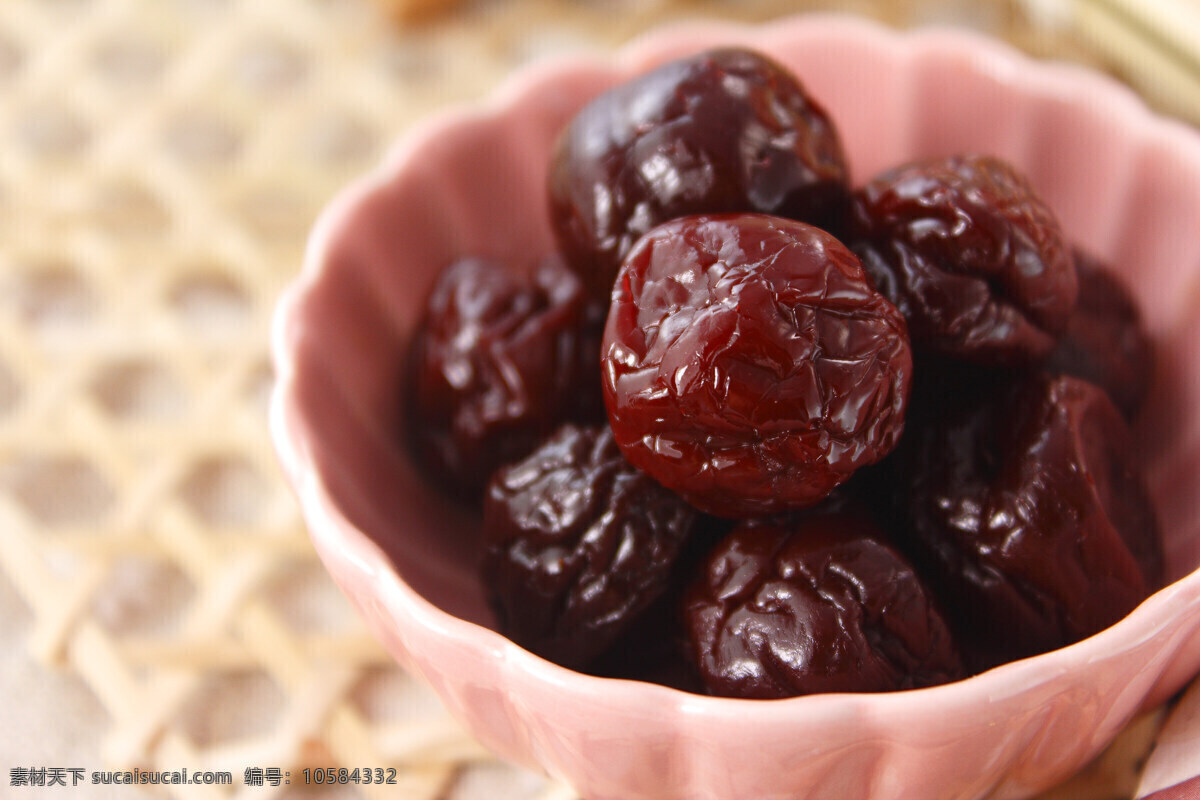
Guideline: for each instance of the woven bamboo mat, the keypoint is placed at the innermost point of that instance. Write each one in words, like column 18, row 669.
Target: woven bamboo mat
column 162, row 160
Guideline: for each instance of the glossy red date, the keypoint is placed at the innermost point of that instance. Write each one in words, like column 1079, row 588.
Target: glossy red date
column 749, row 365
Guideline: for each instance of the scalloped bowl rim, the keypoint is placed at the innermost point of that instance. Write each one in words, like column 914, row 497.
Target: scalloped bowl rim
column 347, row 549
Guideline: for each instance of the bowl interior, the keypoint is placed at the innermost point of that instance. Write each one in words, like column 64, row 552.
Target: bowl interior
column 1125, row 189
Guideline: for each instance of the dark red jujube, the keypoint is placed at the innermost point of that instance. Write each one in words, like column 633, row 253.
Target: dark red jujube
column 578, row 545
column 822, row 604
column 498, row 364
column 749, row 364
column 975, row 260
column 724, row 130
column 1030, row 516
column 1105, row 341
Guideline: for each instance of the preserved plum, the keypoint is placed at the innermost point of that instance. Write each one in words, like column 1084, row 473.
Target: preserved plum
column 578, row 545
column 973, row 258
column 589, row 396
column 496, row 367
column 821, row 605
column 749, row 364
column 655, row 647
column 725, row 130
column 1030, row 517
column 1105, row 342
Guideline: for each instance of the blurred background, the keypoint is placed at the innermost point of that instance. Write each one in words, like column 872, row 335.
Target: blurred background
column 161, row 162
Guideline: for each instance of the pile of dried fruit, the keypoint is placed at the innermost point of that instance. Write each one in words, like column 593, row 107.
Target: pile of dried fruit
column 758, row 433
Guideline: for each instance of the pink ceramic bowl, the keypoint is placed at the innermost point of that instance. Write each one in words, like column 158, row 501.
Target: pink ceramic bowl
column 1124, row 182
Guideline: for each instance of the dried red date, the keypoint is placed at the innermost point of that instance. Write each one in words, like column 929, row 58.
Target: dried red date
column 589, row 397
column 725, row 130
column 496, row 367
column 655, row 647
column 1030, row 516
column 578, row 545
column 749, row 365
column 821, row 605
column 1105, row 342
column 972, row 257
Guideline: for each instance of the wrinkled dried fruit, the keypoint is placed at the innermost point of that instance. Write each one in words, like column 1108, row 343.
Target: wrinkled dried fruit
column 589, row 397
column 1030, row 517
column 821, row 605
column 578, row 545
column 749, row 365
column 1105, row 342
column 972, row 257
column 655, row 647
column 496, row 367
column 725, row 130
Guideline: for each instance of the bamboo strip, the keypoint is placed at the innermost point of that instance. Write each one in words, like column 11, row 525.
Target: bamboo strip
column 216, row 653
column 1162, row 71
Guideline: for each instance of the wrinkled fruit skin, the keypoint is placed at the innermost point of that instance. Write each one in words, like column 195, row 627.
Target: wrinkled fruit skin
column 749, row 365
column 578, row 545
column 972, row 257
column 821, row 605
column 1028, row 515
column 725, row 130
column 1105, row 342
column 496, row 367
column 655, row 646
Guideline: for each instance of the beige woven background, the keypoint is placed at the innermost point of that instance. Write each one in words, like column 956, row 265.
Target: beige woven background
column 161, row 162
